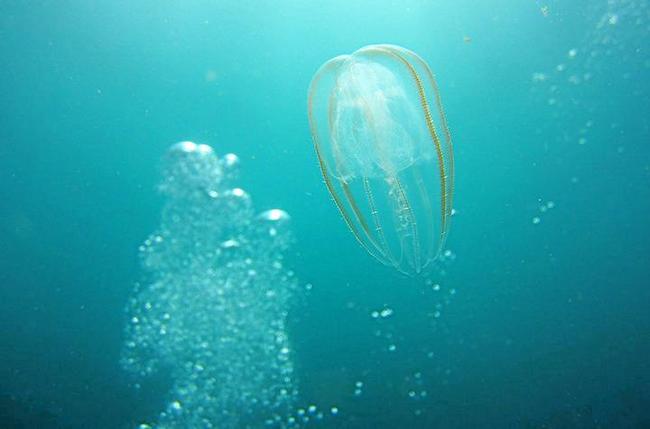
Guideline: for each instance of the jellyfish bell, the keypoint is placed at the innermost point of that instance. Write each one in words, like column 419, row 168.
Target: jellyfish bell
column 385, row 152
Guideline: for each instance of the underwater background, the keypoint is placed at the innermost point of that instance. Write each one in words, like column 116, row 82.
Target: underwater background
column 536, row 317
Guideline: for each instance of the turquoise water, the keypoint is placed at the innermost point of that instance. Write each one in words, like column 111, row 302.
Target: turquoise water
column 540, row 318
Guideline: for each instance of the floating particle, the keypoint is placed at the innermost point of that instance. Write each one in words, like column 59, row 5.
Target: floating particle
column 574, row 79
column 536, row 220
column 539, row 77
column 545, row 11
column 386, row 312
column 211, row 76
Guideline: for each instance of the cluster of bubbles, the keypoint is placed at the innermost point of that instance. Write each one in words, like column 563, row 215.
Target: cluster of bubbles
column 543, row 207
column 212, row 311
column 613, row 51
column 434, row 293
column 592, row 86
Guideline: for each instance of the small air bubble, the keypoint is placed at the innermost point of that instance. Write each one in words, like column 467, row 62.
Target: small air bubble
column 386, row 312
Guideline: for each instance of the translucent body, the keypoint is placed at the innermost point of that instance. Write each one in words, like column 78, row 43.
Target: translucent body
column 385, row 152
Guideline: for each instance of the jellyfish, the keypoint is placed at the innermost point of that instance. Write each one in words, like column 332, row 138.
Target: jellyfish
column 385, row 152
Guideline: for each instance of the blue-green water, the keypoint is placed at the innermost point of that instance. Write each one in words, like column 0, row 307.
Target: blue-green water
column 543, row 305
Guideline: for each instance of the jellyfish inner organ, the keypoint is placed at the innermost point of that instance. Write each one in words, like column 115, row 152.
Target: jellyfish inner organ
column 372, row 122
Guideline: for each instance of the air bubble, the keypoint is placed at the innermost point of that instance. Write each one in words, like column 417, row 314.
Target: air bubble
column 274, row 215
